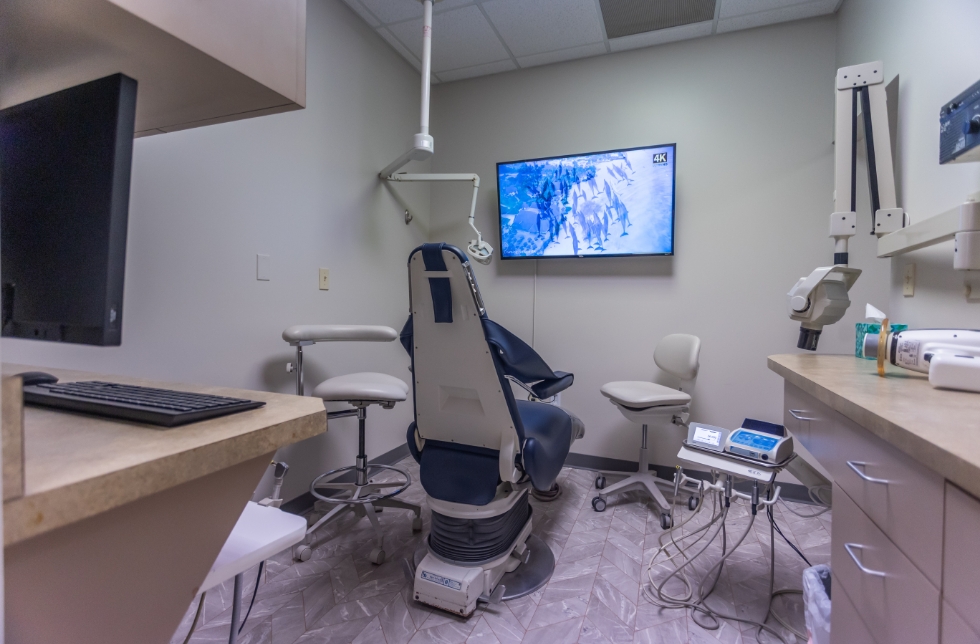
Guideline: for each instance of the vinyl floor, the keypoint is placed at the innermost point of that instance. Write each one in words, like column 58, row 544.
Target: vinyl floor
column 595, row 595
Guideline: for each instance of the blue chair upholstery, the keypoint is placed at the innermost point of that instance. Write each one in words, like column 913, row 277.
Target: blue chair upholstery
column 450, row 469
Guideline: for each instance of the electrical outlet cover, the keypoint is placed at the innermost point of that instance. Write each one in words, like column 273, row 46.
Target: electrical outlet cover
column 908, row 283
column 324, row 279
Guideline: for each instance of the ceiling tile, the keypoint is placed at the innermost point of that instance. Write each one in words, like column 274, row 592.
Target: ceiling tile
column 460, row 38
column 661, row 36
column 794, row 12
column 572, row 53
column 389, row 11
column 400, row 48
column 732, row 8
column 478, row 70
column 544, row 25
column 362, row 12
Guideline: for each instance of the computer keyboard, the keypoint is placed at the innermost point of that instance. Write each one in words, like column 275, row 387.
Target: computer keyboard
column 130, row 402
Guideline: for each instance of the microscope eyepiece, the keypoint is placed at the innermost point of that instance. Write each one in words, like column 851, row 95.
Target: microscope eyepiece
column 808, row 339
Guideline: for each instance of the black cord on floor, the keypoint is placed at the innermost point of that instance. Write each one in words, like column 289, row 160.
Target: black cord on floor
column 197, row 616
column 256, row 592
column 772, row 520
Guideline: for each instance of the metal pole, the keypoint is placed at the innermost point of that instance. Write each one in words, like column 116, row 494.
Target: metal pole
column 236, row 608
column 299, row 370
column 361, row 451
column 426, row 62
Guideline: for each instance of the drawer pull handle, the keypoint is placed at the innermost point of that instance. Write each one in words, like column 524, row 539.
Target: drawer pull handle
column 850, row 547
column 870, row 479
column 795, row 413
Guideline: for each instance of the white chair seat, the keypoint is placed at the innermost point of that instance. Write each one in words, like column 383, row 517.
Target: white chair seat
column 643, row 395
column 362, row 386
column 260, row 533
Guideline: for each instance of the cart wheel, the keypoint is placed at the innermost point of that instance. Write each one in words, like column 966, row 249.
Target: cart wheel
column 417, row 524
column 666, row 521
column 600, row 482
column 302, row 552
column 377, row 556
column 599, row 504
column 692, row 503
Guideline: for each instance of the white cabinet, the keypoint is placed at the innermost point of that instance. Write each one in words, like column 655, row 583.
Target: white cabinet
column 197, row 62
column 895, row 600
column 961, row 566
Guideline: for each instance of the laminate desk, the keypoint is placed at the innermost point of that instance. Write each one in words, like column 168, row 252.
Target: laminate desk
column 120, row 522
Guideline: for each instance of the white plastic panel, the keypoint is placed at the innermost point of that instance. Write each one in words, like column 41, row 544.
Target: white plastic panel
column 458, row 396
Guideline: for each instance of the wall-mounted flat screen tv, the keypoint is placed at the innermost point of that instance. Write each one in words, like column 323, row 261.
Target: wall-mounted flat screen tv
column 605, row 204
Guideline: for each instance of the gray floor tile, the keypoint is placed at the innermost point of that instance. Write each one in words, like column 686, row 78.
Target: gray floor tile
column 595, row 595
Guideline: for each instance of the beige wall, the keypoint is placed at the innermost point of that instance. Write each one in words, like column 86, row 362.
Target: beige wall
column 934, row 50
column 752, row 115
column 301, row 187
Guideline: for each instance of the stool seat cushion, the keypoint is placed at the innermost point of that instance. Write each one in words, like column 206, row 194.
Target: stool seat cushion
column 362, row 386
column 642, row 395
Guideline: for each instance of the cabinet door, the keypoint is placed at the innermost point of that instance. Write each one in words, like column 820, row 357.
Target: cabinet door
column 846, row 626
column 795, row 413
column 961, row 565
column 895, row 600
column 955, row 628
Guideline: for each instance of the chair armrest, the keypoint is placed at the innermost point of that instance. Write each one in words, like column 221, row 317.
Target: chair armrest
column 338, row 333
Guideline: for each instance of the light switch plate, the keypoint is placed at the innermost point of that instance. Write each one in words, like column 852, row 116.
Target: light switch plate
column 908, row 283
column 263, row 268
column 324, row 279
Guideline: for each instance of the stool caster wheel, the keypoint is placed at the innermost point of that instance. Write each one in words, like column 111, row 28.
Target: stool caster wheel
column 302, row 552
column 666, row 521
column 692, row 503
column 600, row 482
column 417, row 524
column 599, row 504
column 377, row 556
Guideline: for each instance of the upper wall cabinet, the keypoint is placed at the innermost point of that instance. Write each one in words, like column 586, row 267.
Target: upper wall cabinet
column 198, row 62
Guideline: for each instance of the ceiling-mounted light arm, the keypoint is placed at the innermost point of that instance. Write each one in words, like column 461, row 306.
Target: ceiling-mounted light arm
column 423, row 145
column 478, row 249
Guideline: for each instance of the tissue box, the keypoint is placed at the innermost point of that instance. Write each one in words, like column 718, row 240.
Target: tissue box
column 863, row 328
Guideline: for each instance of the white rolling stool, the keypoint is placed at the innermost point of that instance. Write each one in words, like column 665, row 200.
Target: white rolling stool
column 647, row 403
column 365, row 496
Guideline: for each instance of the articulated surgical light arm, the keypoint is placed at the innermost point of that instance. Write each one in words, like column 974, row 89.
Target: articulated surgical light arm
column 478, row 249
column 423, row 145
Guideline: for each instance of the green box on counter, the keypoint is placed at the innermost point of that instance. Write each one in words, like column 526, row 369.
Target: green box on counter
column 863, row 328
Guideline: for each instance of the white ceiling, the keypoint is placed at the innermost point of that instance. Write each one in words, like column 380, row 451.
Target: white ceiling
column 480, row 37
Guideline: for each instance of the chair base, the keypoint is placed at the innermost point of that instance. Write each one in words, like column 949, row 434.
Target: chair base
column 646, row 481
column 457, row 589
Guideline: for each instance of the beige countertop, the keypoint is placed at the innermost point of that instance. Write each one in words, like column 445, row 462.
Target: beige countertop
column 77, row 466
column 937, row 427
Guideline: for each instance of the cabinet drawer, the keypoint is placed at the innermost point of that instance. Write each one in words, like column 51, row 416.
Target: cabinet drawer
column 815, row 423
column 902, row 497
column 955, row 628
column 846, row 626
column 795, row 414
column 895, row 600
column 961, row 567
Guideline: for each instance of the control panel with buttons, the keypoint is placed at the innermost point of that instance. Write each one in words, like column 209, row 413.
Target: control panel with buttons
column 959, row 127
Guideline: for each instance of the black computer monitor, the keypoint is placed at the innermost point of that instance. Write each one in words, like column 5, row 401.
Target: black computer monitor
column 64, row 203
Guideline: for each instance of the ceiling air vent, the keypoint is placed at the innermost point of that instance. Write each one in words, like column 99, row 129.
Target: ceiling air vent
column 628, row 17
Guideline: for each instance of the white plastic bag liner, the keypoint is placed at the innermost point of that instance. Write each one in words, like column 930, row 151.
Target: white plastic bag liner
column 816, row 603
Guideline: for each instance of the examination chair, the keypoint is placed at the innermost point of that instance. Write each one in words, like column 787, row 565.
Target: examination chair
column 365, row 495
column 479, row 449
column 647, row 403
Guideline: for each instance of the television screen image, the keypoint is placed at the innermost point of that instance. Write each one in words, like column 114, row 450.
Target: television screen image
column 604, row 204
